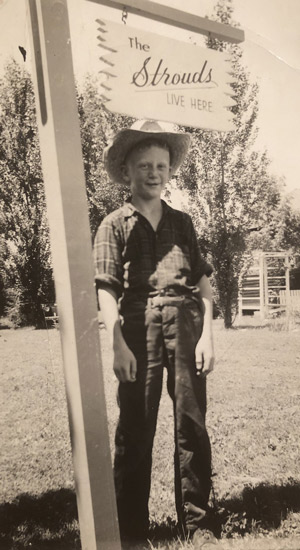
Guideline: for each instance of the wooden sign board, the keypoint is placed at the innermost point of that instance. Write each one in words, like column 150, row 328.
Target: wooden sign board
column 146, row 75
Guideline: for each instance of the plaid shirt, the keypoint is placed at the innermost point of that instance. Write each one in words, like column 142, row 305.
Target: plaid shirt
column 133, row 259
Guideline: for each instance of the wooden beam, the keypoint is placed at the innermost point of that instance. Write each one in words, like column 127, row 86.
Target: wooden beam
column 177, row 18
column 64, row 180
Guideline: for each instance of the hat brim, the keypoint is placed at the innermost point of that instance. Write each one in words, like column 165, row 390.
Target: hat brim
column 115, row 154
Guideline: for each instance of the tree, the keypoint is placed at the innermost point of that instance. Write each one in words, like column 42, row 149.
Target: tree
column 27, row 270
column 97, row 124
column 229, row 183
column 282, row 232
column 3, row 257
column 26, row 280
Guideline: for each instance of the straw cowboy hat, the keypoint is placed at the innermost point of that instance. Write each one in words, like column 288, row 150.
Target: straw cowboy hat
column 115, row 153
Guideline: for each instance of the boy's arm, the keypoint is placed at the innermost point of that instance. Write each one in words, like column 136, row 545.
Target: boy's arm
column 124, row 362
column 205, row 349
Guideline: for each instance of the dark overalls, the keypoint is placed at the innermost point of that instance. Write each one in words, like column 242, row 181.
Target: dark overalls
column 162, row 327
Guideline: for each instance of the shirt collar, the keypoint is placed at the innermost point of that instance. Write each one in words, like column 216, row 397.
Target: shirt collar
column 130, row 210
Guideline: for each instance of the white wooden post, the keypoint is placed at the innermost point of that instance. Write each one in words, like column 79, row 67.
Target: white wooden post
column 73, row 270
column 287, row 285
column 261, row 286
column 240, row 305
column 266, row 284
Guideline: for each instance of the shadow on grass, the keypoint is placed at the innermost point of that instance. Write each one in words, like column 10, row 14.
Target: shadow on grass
column 49, row 521
column 257, row 509
column 249, row 327
column 260, row 508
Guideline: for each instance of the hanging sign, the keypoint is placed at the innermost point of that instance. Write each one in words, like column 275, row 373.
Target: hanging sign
column 146, row 75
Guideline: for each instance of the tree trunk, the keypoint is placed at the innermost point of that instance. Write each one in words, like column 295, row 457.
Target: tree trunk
column 228, row 315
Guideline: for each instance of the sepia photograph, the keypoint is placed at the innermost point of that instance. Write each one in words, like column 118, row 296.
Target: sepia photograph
column 150, row 274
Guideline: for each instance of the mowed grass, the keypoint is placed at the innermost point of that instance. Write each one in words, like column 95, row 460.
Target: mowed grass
column 253, row 421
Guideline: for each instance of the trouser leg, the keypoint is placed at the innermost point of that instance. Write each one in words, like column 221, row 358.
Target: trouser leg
column 188, row 391
column 139, row 403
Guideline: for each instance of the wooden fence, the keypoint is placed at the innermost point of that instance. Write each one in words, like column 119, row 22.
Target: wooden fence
column 290, row 299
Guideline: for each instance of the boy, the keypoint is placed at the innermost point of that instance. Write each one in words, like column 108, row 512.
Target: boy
column 155, row 298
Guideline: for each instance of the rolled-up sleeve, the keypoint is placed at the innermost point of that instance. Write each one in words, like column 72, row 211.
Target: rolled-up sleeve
column 108, row 257
column 199, row 266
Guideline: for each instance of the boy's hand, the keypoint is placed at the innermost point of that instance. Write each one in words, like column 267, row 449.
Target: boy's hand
column 204, row 355
column 124, row 364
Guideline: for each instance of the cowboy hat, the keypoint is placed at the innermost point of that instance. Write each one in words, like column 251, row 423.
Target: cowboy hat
column 123, row 142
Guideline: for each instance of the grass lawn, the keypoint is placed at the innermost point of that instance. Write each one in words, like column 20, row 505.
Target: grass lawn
column 253, row 421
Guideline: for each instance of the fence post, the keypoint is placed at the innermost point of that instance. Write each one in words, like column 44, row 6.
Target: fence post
column 261, row 287
column 287, row 286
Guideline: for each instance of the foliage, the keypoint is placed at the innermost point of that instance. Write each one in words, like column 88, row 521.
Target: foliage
column 235, row 203
column 228, row 181
column 26, row 280
column 26, row 268
column 97, row 124
column 3, row 256
column 282, row 232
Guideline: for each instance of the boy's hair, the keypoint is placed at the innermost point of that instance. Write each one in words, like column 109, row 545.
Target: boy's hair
column 146, row 144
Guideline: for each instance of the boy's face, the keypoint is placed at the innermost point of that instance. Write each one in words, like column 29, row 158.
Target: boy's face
column 147, row 171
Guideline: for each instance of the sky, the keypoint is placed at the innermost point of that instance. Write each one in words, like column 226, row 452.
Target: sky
column 271, row 54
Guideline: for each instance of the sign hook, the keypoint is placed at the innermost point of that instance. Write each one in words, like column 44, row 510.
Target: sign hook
column 124, row 15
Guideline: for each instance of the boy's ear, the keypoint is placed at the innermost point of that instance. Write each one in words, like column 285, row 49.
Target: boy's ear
column 124, row 170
